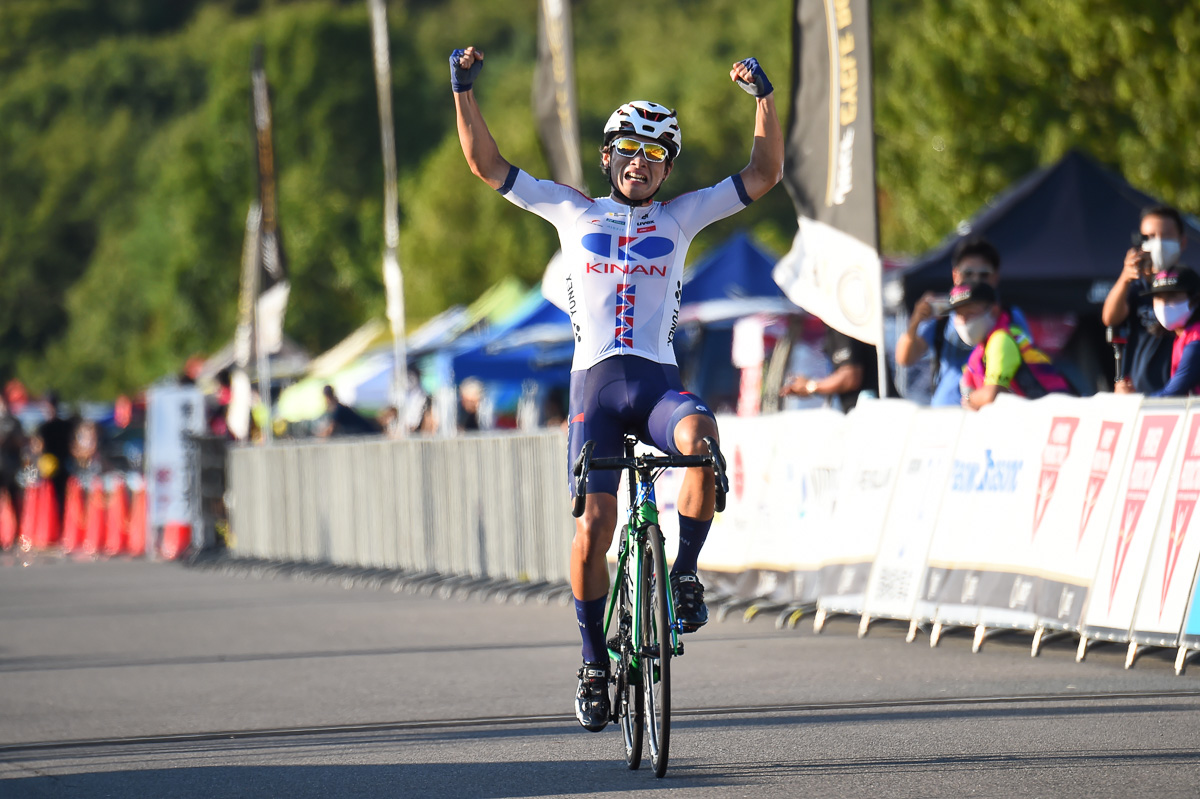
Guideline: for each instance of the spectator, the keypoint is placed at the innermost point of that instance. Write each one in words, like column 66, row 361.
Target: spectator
column 470, row 394
column 1002, row 356
column 415, row 401
column 975, row 260
column 342, row 420
column 12, row 442
column 218, row 411
column 855, row 369
column 1174, row 296
column 86, row 460
column 1148, row 345
column 56, row 434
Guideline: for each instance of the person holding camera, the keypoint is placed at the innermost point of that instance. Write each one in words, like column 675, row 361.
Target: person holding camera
column 1158, row 243
column 932, row 324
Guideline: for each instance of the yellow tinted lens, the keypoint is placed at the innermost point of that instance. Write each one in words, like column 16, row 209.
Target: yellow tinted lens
column 655, row 152
column 627, row 147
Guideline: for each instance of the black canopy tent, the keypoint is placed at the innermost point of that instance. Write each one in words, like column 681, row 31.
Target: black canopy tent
column 1062, row 233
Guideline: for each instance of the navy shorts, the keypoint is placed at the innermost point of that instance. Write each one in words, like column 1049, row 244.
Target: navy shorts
column 625, row 394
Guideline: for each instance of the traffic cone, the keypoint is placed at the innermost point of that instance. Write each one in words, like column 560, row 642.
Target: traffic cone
column 177, row 536
column 29, row 514
column 47, row 527
column 118, row 520
column 93, row 531
column 8, row 522
column 72, row 532
column 137, row 523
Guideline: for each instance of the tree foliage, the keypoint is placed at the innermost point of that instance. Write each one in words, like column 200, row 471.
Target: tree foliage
column 127, row 164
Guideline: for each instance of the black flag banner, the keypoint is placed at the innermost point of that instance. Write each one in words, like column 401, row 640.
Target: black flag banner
column 554, row 93
column 833, row 269
column 273, row 285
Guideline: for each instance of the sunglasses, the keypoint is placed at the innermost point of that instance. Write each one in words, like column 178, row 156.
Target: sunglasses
column 628, row 148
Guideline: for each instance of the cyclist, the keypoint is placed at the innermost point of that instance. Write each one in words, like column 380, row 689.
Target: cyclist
column 625, row 255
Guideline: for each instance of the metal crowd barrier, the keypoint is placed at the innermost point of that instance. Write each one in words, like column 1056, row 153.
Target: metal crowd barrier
column 487, row 506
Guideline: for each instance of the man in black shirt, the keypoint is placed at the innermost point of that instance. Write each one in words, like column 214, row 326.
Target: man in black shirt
column 57, row 434
column 854, row 370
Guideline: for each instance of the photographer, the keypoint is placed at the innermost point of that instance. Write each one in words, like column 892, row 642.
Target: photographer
column 1148, row 345
column 931, row 326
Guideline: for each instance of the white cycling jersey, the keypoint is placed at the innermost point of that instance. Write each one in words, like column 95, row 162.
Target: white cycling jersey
column 624, row 270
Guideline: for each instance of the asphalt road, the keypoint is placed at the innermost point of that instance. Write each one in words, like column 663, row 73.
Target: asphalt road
column 130, row 679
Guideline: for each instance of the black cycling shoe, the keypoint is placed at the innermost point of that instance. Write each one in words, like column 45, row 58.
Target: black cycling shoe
column 690, row 609
column 591, row 698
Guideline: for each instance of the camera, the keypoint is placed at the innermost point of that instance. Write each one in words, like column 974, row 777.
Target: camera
column 1144, row 261
column 940, row 304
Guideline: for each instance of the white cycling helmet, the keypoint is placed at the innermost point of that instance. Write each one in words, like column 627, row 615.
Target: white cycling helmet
column 646, row 119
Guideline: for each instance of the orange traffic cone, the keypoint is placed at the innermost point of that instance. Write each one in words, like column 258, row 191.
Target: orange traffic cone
column 177, row 536
column 29, row 514
column 118, row 520
column 8, row 522
column 137, row 523
column 47, row 527
column 93, row 531
column 72, row 532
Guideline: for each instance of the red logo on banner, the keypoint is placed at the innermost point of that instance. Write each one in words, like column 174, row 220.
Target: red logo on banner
column 1058, row 447
column 739, row 474
column 1106, row 446
column 1185, row 503
column 1151, row 443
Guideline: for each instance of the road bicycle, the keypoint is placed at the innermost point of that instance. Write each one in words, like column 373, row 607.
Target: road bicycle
column 646, row 633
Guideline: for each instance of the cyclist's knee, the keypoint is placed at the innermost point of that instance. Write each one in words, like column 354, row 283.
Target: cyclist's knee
column 691, row 432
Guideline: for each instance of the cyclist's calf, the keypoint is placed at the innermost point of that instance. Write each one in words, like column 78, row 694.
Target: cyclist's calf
column 593, row 537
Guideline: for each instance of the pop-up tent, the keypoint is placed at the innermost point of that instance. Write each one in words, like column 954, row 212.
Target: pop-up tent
column 1062, row 233
column 731, row 281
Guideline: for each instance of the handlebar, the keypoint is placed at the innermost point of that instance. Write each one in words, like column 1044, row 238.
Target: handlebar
column 585, row 463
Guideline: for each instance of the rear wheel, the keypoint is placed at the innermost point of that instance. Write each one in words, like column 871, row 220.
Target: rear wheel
column 629, row 684
column 656, row 653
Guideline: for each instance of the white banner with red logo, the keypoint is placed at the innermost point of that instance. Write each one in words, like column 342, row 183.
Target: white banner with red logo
column 1140, row 499
column 1083, row 448
column 1171, row 567
column 878, row 432
column 923, row 473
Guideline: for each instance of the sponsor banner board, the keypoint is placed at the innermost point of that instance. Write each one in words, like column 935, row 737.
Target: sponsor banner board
column 1140, row 498
column 989, row 497
column 1171, row 566
column 924, row 469
column 173, row 414
column 875, row 442
column 783, row 471
column 1083, row 450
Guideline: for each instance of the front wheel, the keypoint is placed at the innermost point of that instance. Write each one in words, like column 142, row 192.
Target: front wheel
column 630, row 706
column 656, row 653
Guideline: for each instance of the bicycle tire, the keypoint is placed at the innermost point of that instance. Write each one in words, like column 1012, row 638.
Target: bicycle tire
column 630, row 702
column 656, row 653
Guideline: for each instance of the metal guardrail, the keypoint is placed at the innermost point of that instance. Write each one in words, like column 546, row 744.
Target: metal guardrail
column 491, row 506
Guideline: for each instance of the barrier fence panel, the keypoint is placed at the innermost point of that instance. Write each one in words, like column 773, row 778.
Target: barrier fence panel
column 1171, row 566
column 479, row 505
column 1122, row 565
column 877, row 433
column 898, row 573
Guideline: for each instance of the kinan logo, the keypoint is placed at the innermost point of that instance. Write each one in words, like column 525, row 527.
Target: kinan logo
column 1186, row 495
column 1152, row 442
column 1058, row 447
column 1102, row 460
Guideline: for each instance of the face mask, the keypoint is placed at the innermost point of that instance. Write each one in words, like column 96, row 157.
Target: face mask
column 1172, row 315
column 972, row 333
column 1164, row 253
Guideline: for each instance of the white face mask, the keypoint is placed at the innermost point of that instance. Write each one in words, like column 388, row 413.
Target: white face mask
column 1172, row 315
column 972, row 333
column 1164, row 253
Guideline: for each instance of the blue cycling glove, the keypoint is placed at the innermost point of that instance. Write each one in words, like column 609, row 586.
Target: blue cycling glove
column 760, row 87
column 462, row 79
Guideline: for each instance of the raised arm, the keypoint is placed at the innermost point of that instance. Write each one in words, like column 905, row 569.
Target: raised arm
column 483, row 156
column 766, row 158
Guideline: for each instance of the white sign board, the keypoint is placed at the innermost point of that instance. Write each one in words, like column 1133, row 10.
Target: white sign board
column 172, row 414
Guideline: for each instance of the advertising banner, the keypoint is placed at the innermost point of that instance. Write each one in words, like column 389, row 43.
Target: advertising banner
column 783, row 472
column 924, row 470
column 833, row 269
column 1141, row 496
column 982, row 535
column 1171, row 567
column 877, row 433
column 172, row 414
column 1085, row 446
